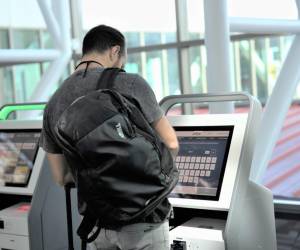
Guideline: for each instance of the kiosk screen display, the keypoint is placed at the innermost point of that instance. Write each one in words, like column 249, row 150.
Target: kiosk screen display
column 201, row 161
column 18, row 150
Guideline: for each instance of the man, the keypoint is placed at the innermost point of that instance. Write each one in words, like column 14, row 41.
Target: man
column 104, row 47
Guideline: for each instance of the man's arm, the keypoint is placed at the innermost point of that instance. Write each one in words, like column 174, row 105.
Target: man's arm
column 167, row 133
column 60, row 169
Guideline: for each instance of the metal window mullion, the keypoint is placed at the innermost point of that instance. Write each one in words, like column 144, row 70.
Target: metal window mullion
column 253, row 68
column 183, row 53
column 77, row 25
column 267, row 48
column 165, row 69
column 40, row 42
column 203, row 69
column 237, row 64
column 13, row 78
column 143, row 56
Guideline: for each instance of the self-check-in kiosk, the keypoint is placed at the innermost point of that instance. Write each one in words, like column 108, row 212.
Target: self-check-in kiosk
column 214, row 162
column 32, row 206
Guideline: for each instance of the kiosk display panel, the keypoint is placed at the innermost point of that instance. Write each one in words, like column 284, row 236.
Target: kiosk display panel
column 217, row 140
column 18, row 150
column 201, row 161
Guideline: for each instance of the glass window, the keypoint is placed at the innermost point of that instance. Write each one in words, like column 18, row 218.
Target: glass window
column 245, row 66
column 4, row 42
column 133, row 39
column 27, row 76
column 46, row 40
column 134, row 63
column 25, row 39
column 152, row 38
column 6, row 82
column 46, row 43
column 159, row 68
column 26, row 79
column 260, row 64
column 137, row 18
column 6, row 86
column 197, row 60
column 195, row 20
column 283, row 173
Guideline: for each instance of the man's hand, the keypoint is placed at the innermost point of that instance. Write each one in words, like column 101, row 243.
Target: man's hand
column 168, row 135
column 60, row 169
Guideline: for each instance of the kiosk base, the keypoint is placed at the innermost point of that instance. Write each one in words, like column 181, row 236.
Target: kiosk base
column 199, row 233
column 14, row 227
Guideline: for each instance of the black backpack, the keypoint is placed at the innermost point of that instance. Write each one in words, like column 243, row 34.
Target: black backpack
column 122, row 169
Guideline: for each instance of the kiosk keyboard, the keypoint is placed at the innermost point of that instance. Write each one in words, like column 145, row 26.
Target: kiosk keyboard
column 193, row 168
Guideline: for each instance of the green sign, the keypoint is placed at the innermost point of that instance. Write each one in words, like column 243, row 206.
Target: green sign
column 7, row 109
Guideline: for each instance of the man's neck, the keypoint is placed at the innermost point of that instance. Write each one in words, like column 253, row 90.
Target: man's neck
column 95, row 62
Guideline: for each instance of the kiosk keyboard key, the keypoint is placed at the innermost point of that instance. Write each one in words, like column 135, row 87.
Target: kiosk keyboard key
column 192, row 166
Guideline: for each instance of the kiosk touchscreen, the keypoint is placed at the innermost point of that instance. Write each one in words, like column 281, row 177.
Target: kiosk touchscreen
column 209, row 151
column 201, row 161
column 18, row 150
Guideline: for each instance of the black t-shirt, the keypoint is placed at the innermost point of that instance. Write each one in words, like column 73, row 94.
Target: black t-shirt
column 78, row 85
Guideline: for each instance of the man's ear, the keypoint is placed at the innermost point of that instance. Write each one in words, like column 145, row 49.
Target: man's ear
column 116, row 50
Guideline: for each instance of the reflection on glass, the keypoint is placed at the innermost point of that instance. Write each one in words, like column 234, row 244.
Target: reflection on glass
column 159, row 68
column 197, row 70
column 25, row 39
column 245, row 63
column 27, row 76
column 6, row 80
column 4, row 39
column 17, row 154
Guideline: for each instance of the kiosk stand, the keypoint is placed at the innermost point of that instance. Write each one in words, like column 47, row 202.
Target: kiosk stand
column 32, row 206
column 214, row 162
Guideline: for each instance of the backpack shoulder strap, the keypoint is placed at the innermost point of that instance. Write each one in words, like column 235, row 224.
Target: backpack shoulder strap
column 107, row 78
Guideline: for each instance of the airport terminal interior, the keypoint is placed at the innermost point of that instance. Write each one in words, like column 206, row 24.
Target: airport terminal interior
column 225, row 72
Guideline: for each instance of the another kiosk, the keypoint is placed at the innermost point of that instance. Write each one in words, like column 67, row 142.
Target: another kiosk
column 214, row 162
column 32, row 206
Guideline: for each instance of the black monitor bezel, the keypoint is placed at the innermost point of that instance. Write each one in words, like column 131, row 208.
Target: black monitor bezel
column 229, row 128
column 23, row 185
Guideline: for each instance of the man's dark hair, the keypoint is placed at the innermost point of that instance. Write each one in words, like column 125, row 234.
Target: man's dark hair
column 101, row 38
